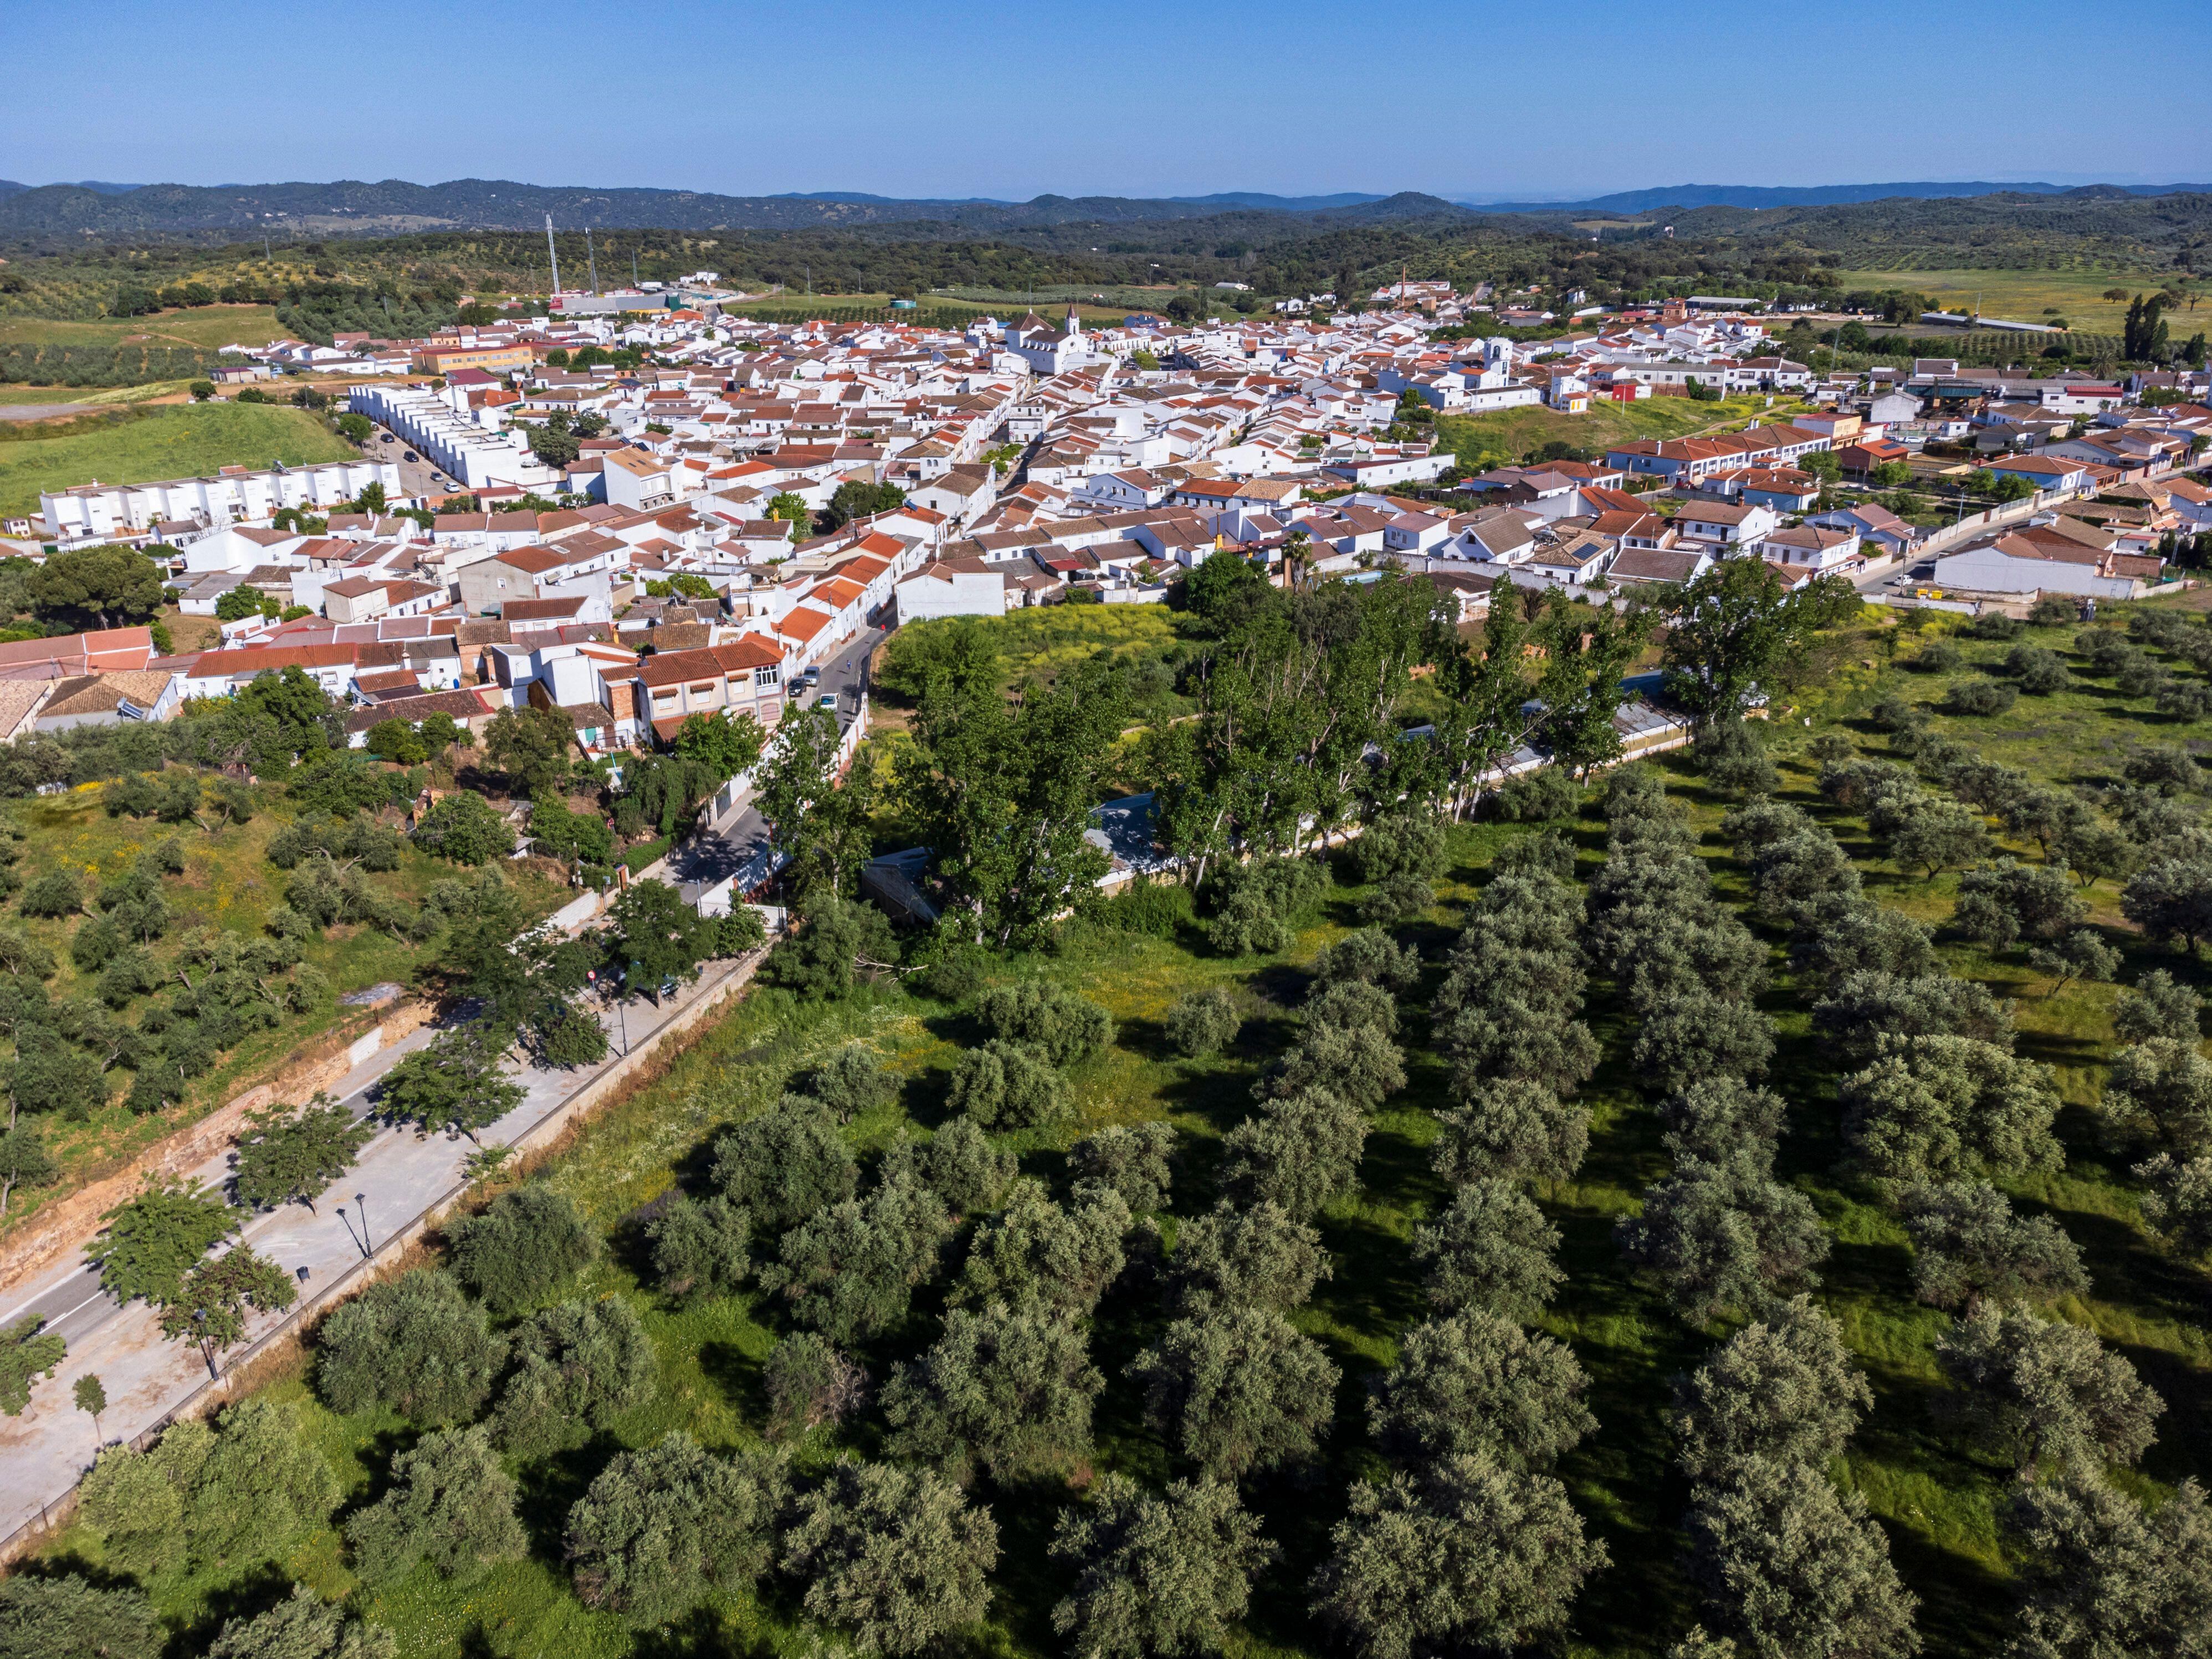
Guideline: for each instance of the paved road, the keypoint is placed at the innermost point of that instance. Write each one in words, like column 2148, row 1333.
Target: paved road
column 721, row 851
column 401, row 1173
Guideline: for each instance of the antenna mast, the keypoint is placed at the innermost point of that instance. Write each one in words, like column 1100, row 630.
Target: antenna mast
column 552, row 255
column 591, row 259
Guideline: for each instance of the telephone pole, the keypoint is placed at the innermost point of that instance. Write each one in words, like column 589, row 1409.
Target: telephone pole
column 552, row 255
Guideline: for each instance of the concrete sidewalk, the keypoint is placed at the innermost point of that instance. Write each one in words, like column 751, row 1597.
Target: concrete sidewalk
column 403, row 1181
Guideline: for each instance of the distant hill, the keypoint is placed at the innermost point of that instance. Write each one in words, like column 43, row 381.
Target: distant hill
column 1760, row 195
column 75, row 213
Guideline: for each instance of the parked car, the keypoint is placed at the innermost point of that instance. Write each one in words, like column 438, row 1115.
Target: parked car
column 828, row 700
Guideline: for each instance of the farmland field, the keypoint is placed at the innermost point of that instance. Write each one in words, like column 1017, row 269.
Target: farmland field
column 208, row 327
column 1508, row 435
column 2020, row 295
column 180, row 442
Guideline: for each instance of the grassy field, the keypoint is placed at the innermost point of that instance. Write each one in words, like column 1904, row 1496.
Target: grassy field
column 208, row 327
column 2022, row 295
column 152, row 392
column 1510, row 434
column 1937, row 1503
column 168, row 443
column 227, row 884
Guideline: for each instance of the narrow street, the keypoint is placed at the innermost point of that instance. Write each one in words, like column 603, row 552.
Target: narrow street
column 719, row 852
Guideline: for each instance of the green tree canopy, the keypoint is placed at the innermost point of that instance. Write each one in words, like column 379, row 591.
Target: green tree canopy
column 891, row 1556
column 1491, row 1249
column 1237, row 1391
column 660, row 1528
column 1004, row 1390
column 1733, row 631
column 577, row 1366
column 525, row 1244
column 151, row 1242
column 451, row 1501
column 1474, row 1381
column 413, row 1344
column 108, row 587
column 1783, row 1388
column 1157, row 1574
column 1471, row 1557
column 1791, row 1566
column 2045, row 1393
column 288, row 1154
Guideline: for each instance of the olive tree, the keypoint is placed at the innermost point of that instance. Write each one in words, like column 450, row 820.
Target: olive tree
column 1931, row 1107
column 525, row 1243
column 700, row 1246
column 1469, row 1557
column 1259, row 1257
column 1004, row 1390
column 785, row 1164
column 810, row 1385
column 961, row 1166
column 303, row 1626
column 1723, row 1234
column 2102, row 1578
column 851, row 1271
column 1711, row 1119
column 577, row 1367
column 1512, row 1130
column 1237, row 1391
column 1136, row 1161
column 1968, row 1244
column 1476, row 1382
column 2044, row 1392
column 67, row 1616
column 1790, row 1566
column 2162, row 1087
column 1203, row 1023
column 661, row 1527
column 892, row 1556
column 2177, row 1201
column 451, row 1501
column 1160, row 1573
column 1491, row 1249
column 1036, row 1252
column 414, row 1344
column 1783, row 1388
column 1301, row 1152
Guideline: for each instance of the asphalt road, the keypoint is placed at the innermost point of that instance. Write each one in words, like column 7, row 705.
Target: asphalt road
column 716, row 854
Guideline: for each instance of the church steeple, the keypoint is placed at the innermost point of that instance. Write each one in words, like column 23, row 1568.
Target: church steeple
column 1074, row 322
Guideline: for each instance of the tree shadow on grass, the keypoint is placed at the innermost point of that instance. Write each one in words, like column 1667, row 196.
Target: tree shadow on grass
column 741, row 1378
column 549, row 1487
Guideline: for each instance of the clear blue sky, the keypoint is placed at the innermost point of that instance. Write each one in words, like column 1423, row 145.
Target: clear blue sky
column 1143, row 98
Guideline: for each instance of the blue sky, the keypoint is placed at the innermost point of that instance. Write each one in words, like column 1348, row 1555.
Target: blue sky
column 1145, row 98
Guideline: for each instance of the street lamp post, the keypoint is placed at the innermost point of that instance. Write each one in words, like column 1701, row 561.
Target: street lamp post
column 362, row 1199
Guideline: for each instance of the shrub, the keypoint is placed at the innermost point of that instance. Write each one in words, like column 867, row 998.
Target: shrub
column 525, row 1244
column 1540, row 796
column 464, row 828
column 1203, row 1023
column 1008, row 1084
column 414, row 1344
column 1060, row 1026
column 1980, row 697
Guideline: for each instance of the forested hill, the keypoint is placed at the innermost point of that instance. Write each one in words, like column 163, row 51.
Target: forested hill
column 348, row 207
